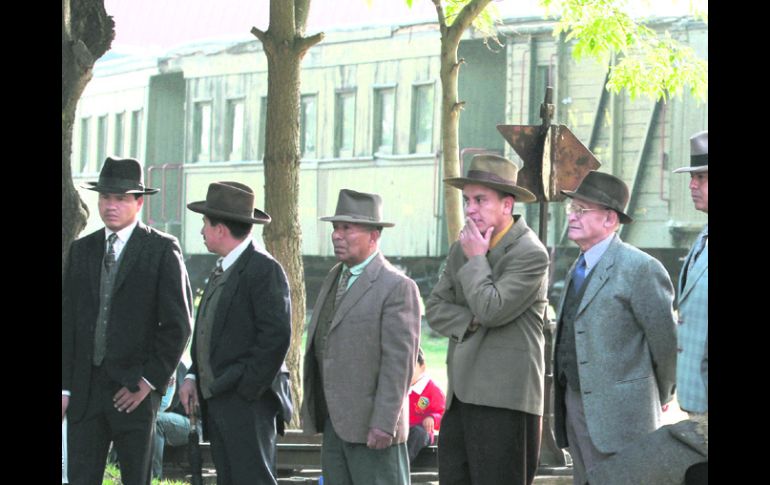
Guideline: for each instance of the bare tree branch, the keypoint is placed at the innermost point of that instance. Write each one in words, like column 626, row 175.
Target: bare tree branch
column 304, row 43
column 465, row 18
column 441, row 17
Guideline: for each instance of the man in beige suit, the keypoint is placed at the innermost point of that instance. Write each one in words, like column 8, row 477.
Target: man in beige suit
column 361, row 350
column 490, row 302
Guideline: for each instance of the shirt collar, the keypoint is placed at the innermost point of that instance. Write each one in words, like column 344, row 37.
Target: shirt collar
column 421, row 384
column 501, row 235
column 123, row 234
column 359, row 268
column 594, row 254
column 233, row 255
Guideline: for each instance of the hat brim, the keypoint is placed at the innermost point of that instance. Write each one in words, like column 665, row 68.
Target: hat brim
column 355, row 220
column 624, row 218
column 201, row 208
column 519, row 193
column 702, row 168
column 105, row 189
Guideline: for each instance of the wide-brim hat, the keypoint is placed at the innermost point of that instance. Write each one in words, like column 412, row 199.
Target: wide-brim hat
column 230, row 201
column 699, row 153
column 495, row 172
column 603, row 189
column 358, row 208
column 120, row 176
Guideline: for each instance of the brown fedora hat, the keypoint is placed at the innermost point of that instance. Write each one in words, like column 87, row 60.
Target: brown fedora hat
column 231, row 201
column 359, row 208
column 495, row 172
column 699, row 153
column 120, row 176
column 603, row 189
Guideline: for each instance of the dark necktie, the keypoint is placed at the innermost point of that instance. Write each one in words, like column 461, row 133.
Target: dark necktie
column 217, row 271
column 701, row 246
column 579, row 275
column 342, row 287
column 109, row 257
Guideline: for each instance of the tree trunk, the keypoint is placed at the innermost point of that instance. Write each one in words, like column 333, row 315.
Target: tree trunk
column 285, row 47
column 87, row 33
column 451, row 106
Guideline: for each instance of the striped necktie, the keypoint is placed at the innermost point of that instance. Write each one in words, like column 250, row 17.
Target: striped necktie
column 579, row 275
column 109, row 257
column 342, row 287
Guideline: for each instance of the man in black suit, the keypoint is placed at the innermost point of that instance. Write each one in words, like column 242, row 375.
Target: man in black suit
column 242, row 333
column 126, row 312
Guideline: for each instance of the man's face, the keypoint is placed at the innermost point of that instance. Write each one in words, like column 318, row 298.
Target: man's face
column 486, row 208
column 353, row 243
column 211, row 235
column 591, row 227
column 699, row 190
column 119, row 210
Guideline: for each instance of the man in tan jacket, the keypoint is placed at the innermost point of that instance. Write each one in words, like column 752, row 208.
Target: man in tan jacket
column 490, row 302
column 361, row 351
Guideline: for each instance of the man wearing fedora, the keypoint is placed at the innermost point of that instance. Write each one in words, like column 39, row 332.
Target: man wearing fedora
column 242, row 333
column 615, row 353
column 490, row 302
column 692, row 367
column 126, row 311
column 360, row 354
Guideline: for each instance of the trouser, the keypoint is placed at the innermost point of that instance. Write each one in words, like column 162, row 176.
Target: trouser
column 484, row 445
column 346, row 463
column 242, row 435
column 581, row 448
column 417, row 440
column 131, row 433
column 171, row 429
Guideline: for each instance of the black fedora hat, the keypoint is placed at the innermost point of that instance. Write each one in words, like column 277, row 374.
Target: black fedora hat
column 603, row 189
column 120, row 176
column 231, row 201
column 699, row 153
column 495, row 172
column 358, row 208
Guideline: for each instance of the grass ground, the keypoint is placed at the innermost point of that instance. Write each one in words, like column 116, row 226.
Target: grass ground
column 112, row 477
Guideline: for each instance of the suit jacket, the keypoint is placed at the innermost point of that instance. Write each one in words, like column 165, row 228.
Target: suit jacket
column 692, row 368
column 370, row 354
column 502, row 363
column 626, row 347
column 252, row 328
column 150, row 312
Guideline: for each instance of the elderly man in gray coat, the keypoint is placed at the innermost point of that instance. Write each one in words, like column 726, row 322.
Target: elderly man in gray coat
column 615, row 354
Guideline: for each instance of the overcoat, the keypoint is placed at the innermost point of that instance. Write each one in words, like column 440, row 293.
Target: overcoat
column 625, row 341
column 370, row 354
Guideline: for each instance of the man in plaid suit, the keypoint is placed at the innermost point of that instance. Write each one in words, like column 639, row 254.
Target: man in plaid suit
column 692, row 329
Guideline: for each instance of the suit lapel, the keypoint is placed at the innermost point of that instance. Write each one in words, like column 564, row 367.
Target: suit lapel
column 507, row 242
column 695, row 272
column 331, row 278
column 358, row 290
column 132, row 250
column 95, row 257
column 601, row 274
column 228, row 291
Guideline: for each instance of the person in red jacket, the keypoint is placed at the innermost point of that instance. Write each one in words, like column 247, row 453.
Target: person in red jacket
column 426, row 407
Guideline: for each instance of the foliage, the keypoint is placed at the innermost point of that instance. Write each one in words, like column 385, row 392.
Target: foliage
column 485, row 23
column 112, row 477
column 649, row 65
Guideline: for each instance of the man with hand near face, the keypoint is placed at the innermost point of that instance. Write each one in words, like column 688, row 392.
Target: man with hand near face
column 490, row 302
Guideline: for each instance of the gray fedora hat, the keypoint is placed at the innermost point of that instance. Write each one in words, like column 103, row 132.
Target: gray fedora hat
column 699, row 153
column 231, row 201
column 120, row 176
column 603, row 189
column 495, row 172
column 359, row 208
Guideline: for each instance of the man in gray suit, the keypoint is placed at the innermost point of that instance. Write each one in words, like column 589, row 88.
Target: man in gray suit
column 490, row 302
column 361, row 350
column 615, row 354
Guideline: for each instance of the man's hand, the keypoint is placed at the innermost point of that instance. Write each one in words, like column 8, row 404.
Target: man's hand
column 188, row 395
column 428, row 424
column 128, row 401
column 65, row 402
column 378, row 439
column 472, row 241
